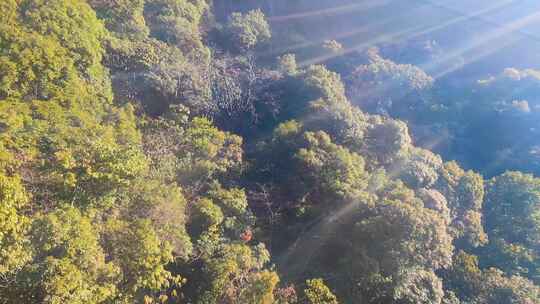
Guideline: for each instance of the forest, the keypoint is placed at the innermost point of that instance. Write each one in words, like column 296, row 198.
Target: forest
column 269, row 151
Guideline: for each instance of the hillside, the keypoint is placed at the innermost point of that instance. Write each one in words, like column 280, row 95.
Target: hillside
column 269, row 151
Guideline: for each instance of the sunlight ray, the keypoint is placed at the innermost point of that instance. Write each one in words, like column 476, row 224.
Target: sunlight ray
column 332, row 11
column 343, row 35
column 480, row 41
column 394, row 36
column 296, row 258
column 462, row 18
column 468, row 59
column 422, row 30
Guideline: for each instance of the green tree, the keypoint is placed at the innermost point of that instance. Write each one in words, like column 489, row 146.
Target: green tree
column 464, row 192
column 491, row 285
column 419, row 169
column 14, row 251
column 141, row 257
column 165, row 206
column 56, row 112
column 68, row 264
column 178, row 22
column 123, row 18
column 287, row 64
column 513, row 223
column 249, row 29
column 191, row 152
column 237, row 275
column 55, row 51
column 317, row 292
column 387, row 87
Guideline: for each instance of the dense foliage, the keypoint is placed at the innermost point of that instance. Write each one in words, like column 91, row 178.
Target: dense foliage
column 151, row 152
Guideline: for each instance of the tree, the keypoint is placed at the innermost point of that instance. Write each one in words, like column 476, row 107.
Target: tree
column 346, row 208
column 317, row 292
column 248, row 30
column 330, row 170
column 500, row 289
column 238, row 219
column 178, row 22
column 56, row 111
column 14, row 251
column 332, row 45
column 236, row 275
column 386, row 87
column 419, row 169
column 512, row 223
column 53, row 54
column 175, row 80
column 386, row 142
column 141, row 257
column 68, row 264
column 287, row 64
column 419, row 286
column 191, row 152
column 464, row 192
column 124, row 18
column 164, row 205
column 464, row 277
column 474, row 285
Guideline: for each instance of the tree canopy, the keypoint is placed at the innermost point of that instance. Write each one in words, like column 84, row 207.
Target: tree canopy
column 193, row 151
